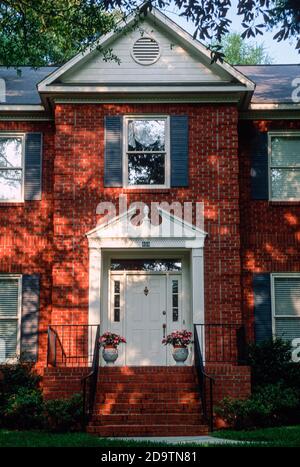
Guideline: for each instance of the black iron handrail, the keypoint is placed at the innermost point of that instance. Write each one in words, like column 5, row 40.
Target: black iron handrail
column 90, row 381
column 69, row 344
column 222, row 342
column 53, row 341
column 202, row 378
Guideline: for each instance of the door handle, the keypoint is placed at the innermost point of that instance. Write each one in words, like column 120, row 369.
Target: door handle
column 164, row 330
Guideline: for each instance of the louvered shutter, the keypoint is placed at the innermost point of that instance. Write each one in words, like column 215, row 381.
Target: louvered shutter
column 262, row 307
column 30, row 316
column 259, row 166
column 113, row 170
column 287, row 307
column 9, row 306
column 33, row 167
column 179, row 134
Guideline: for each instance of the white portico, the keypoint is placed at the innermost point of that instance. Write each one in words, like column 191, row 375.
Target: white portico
column 146, row 281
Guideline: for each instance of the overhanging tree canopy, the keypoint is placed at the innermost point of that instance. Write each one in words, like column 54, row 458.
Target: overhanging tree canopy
column 51, row 31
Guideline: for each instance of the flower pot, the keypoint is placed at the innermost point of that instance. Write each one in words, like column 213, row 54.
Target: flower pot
column 180, row 354
column 110, row 355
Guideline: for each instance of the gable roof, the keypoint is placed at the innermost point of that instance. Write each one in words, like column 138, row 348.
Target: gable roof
column 160, row 20
column 273, row 82
column 21, row 89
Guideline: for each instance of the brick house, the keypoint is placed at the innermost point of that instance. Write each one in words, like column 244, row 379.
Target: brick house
column 162, row 126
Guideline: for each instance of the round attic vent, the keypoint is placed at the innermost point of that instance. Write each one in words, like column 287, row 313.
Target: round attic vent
column 145, row 51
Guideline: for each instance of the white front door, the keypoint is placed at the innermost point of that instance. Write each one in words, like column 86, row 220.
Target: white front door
column 145, row 319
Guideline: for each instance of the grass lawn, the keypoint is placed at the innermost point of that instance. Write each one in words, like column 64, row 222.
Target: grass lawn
column 286, row 436
column 268, row 437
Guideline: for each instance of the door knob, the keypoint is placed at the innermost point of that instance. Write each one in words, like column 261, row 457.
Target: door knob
column 164, row 312
column 164, row 330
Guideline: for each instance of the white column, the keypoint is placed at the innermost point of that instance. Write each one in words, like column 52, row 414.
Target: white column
column 197, row 279
column 197, row 273
column 94, row 293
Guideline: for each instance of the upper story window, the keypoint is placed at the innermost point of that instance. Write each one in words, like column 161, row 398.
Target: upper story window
column 11, row 167
column 286, row 305
column 146, row 153
column 284, row 166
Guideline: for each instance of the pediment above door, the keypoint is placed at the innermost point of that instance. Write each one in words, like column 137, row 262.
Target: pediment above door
column 171, row 232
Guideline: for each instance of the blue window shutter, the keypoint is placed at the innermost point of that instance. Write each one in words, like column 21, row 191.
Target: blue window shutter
column 30, row 316
column 262, row 307
column 179, row 134
column 33, row 167
column 259, row 167
column 113, row 151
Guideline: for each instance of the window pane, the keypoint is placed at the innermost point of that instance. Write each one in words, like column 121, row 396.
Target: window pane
column 10, row 184
column 146, row 135
column 287, row 296
column 10, row 152
column 9, row 290
column 116, row 315
column 285, row 150
column 287, row 328
column 8, row 339
column 146, row 169
column 145, row 265
column 285, row 184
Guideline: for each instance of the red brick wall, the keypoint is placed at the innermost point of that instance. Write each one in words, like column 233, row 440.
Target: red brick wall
column 62, row 383
column 229, row 381
column 78, row 188
column 49, row 236
column 270, row 231
column 26, row 229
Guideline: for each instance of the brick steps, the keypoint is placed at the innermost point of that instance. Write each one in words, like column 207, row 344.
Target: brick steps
column 148, row 387
column 147, row 419
column 151, row 430
column 136, row 408
column 148, row 397
column 147, row 401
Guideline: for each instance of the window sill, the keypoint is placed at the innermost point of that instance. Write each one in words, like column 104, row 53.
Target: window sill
column 284, row 203
column 146, row 190
column 8, row 204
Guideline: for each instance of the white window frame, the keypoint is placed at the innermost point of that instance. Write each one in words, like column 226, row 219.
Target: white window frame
column 19, row 312
column 272, row 134
column 22, row 168
column 274, row 316
column 167, row 183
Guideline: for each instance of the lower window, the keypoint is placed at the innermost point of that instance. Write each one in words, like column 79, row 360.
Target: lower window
column 9, row 316
column 286, row 305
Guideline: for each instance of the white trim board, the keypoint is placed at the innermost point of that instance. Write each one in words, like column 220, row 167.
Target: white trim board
column 229, row 79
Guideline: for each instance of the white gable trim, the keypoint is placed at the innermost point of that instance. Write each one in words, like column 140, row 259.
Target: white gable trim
column 172, row 232
column 165, row 23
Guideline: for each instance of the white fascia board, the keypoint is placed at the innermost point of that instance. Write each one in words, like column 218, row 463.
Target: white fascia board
column 61, row 89
column 275, row 106
column 165, row 22
column 21, row 108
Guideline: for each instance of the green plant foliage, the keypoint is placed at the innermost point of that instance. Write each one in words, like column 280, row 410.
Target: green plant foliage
column 64, row 415
column 44, row 32
column 271, row 363
column 24, row 409
column 238, row 51
column 271, row 405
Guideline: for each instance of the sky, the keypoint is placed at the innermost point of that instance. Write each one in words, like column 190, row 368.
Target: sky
column 281, row 52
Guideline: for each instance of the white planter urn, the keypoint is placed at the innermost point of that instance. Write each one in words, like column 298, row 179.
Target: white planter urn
column 180, row 354
column 110, row 355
